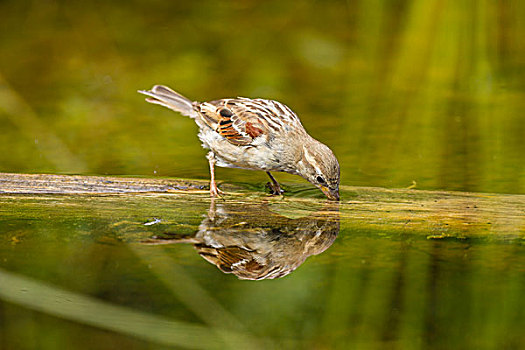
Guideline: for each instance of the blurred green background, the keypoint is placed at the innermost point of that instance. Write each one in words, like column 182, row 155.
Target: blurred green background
column 403, row 91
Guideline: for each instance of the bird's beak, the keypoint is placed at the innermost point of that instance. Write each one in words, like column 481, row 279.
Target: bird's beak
column 331, row 194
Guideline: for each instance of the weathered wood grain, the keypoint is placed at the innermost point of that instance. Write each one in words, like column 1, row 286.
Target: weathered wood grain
column 76, row 184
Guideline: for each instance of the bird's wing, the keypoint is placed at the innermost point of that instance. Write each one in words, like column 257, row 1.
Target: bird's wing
column 231, row 258
column 241, row 120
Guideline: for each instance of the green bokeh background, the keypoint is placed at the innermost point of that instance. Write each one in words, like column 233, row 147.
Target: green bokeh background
column 403, row 91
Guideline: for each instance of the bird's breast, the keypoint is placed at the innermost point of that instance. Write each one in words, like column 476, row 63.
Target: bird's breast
column 262, row 155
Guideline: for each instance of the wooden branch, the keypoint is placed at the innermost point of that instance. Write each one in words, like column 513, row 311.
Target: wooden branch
column 437, row 214
column 76, row 184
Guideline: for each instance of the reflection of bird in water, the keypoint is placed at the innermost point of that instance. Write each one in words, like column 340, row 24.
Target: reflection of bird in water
column 254, row 243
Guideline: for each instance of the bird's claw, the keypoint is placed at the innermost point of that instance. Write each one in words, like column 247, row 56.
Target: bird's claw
column 275, row 189
column 215, row 192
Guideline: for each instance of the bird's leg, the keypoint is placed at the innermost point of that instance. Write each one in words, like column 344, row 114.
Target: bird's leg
column 274, row 185
column 214, row 191
column 212, row 211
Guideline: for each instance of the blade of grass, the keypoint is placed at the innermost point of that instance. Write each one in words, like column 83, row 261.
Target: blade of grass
column 57, row 302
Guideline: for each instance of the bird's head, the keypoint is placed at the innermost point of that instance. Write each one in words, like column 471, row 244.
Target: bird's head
column 319, row 166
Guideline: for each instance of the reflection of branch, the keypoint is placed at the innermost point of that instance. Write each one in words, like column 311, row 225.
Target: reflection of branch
column 33, row 128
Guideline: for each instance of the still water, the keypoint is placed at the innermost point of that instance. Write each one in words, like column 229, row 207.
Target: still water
column 408, row 93
column 397, row 269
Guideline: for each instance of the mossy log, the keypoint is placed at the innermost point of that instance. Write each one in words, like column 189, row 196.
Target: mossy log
column 437, row 214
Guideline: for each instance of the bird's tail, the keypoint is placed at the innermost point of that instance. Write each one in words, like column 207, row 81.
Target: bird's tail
column 166, row 97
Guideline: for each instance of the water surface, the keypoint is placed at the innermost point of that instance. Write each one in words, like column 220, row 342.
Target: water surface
column 421, row 270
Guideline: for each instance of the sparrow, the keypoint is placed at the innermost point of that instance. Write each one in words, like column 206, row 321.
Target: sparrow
column 255, row 134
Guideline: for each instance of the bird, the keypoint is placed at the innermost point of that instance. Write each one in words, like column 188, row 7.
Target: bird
column 255, row 134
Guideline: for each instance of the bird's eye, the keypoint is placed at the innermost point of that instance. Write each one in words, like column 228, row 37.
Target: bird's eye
column 320, row 180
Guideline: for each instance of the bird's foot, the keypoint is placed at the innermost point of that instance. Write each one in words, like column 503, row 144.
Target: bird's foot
column 215, row 191
column 274, row 188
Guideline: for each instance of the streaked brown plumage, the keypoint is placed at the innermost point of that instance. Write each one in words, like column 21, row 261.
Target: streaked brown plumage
column 255, row 134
